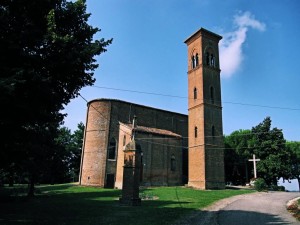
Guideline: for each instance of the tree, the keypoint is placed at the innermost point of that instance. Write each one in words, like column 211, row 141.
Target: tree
column 59, row 162
column 294, row 147
column 269, row 146
column 75, row 151
column 46, row 56
column 237, row 153
column 65, row 160
column 72, row 146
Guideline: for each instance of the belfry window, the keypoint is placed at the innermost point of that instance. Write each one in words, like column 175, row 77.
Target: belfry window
column 207, row 60
column 112, row 149
column 195, row 93
column 195, row 60
column 196, row 132
column 210, row 59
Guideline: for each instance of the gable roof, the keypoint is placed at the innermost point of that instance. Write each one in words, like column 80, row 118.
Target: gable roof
column 152, row 130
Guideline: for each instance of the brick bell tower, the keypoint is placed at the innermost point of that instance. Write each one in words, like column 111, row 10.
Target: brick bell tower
column 206, row 147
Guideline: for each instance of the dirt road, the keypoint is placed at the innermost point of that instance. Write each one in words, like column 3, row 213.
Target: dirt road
column 258, row 209
column 253, row 209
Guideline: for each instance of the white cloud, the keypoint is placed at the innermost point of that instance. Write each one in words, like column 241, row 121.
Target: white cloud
column 231, row 53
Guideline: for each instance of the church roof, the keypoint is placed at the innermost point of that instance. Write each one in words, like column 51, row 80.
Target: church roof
column 153, row 130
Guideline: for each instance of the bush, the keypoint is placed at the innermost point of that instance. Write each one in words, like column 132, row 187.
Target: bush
column 260, row 184
column 277, row 188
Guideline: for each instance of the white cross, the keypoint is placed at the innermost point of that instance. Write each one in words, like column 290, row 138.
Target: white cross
column 254, row 164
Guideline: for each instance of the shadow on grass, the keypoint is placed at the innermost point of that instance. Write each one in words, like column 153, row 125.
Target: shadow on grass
column 69, row 204
column 57, row 187
column 63, row 205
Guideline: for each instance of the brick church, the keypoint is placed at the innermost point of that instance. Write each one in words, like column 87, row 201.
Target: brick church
column 176, row 149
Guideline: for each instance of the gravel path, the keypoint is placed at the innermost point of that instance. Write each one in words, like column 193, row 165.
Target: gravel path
column 259, row 208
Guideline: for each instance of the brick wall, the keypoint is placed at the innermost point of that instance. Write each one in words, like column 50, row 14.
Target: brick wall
column 95, row 164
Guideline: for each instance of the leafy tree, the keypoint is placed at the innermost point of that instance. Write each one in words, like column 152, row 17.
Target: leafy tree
column 269, row 146
column 59, row 162
column 46, row 56
column 237, row 153
column 71, row 144
column 294, row 147
column 75, row 151
column 65, row 161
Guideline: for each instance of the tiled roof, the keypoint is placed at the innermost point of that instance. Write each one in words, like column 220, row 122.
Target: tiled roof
column 153, row 130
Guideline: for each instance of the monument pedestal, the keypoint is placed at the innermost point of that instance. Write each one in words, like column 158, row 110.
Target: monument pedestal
column 131, row 175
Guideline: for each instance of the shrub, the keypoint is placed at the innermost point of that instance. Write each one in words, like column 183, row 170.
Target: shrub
column 260, row 184
column 277, row 188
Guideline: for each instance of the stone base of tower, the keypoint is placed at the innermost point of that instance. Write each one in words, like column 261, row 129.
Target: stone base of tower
column 206, row 185
column 197, row 184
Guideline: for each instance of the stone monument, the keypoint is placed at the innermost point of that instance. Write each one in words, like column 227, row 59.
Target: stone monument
column 131, row 172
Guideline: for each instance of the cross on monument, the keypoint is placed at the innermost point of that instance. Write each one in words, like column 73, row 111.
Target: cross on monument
column 254, row 164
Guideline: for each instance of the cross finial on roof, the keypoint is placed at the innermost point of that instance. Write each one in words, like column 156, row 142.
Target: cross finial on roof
column 134, row 125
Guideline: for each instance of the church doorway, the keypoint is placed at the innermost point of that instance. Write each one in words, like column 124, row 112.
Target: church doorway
column 110, row 180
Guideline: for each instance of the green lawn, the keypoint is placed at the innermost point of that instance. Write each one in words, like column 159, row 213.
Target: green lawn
column 68, row 204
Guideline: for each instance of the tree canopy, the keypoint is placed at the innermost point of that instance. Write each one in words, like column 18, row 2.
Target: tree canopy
column 294, row 148
column 237, row 153
column 268, row 144
column 46, row 56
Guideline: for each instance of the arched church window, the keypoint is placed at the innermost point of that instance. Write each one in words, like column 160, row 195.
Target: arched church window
column 142, row 165
column 213, row 132
column 197, row 60
column 196, row 132
column 112, row 149
column 212, row 95
column 195, row 93
column 173, row 163
column 124, row 140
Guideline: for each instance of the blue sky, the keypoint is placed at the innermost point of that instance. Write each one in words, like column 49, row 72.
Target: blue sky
column 259, row 57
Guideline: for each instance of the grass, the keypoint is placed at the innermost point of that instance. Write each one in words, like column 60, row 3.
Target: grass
column 69, row 204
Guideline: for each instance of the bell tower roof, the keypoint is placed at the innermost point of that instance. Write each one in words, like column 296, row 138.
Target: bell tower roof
column 203, row 32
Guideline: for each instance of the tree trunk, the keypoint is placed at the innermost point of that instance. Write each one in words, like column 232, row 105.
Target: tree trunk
column 11, row 181
column 31, row 187
column 298, row 179
column 246, row 169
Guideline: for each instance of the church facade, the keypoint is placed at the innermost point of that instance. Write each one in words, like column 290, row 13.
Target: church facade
column 176, row 149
